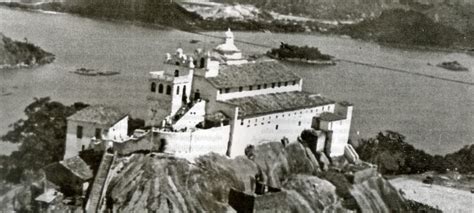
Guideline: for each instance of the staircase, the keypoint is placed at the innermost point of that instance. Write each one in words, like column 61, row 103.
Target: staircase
column 99, row 187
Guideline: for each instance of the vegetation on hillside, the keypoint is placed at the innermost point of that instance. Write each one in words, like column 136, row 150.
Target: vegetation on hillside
column 394, row 155
column 404, row 27
column 42, row 135
column 14, row 53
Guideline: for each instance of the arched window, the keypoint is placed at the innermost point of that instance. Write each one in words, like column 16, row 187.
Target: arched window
column 177, row 90
column 153, row 86
column 184, row 97
column 168, row 90
column 177, row 63
column 160, row 88
column 176, row 73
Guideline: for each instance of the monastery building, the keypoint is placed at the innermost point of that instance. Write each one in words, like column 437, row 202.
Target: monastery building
column 219, row 101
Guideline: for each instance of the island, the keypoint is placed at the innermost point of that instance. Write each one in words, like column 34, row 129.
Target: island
column 305, row 54
column 16, row 54
column 452, row 65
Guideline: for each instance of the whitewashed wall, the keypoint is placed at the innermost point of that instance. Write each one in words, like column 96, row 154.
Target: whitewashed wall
column 252, row 131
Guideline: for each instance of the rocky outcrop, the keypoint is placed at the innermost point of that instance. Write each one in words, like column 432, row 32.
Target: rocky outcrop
column 159, row 182
column 21, row 54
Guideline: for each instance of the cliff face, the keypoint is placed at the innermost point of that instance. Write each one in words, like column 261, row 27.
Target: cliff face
column 163, row 183
column 21, row 54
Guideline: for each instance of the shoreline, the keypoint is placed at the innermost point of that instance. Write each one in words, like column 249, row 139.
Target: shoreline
column 201, row 29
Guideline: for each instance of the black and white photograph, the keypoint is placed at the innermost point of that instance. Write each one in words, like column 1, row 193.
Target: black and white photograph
column 242, row 106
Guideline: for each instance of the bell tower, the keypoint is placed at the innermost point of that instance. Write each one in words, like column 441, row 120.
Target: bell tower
column 169, row 90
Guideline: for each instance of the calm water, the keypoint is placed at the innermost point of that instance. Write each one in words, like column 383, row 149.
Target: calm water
column 434, row 115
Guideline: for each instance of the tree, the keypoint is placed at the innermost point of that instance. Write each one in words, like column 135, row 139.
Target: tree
column 393, row 155
column 41, row 135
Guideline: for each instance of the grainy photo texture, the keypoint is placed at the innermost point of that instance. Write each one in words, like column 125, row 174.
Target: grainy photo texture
column 236, row 106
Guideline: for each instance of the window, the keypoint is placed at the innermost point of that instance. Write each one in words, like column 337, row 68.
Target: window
column 276, row 127
column 273, row 85
column 160, row 88
column 177, row 90
column 299, row 123
column 240, row 89
column 286, row 84
column 259, row 87
column 203, row 62
column 264, row 86
column 220, row 91
column 153, row 87
column 98, row 133
column 176, row 73
column 79, row 132
column 250, row 88
column 242, row 122
column 177, row 63
column 279, row 84
column 294, row 82
column 227, row 90
column 168, row 90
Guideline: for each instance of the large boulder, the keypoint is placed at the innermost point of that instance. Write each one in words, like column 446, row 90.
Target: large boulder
column 159, row 182
column 312, row 194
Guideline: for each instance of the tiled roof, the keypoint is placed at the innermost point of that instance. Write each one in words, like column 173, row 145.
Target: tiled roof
column 98, row 114
column 48, row 196
column 277, row 102
column 77, row 166
column 328, row 116
column 231, row 76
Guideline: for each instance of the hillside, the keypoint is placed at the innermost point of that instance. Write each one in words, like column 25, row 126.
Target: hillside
column 21, row 54
column 164, row 183
column 326, row 9
column 404, row 27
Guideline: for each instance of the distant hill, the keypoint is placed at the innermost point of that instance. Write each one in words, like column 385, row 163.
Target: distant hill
column 404, row 27
column 16, row 54
column 324, row 9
